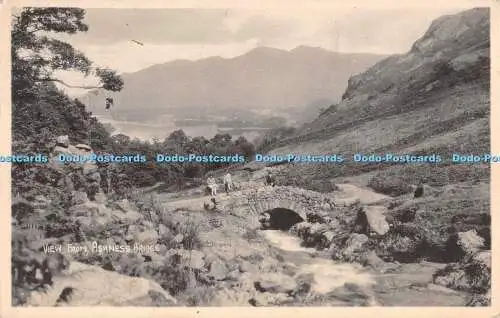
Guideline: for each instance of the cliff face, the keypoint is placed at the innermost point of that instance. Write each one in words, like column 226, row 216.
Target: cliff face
column 437, row 93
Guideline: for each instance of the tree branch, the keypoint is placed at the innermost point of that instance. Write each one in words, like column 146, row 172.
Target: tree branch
column 65, row 84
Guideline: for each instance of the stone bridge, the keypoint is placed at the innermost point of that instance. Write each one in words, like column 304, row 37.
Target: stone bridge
column 282, row 201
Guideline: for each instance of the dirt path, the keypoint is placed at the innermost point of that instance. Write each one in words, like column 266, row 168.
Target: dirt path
column 350, row 192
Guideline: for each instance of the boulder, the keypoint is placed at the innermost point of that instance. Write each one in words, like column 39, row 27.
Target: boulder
column 354, row 243
column 122, row 205
column 472, row 274
column 470, row 242
column 79, row 197
column 218, row 269
column 93, row 286
column 87, row 209
column 317, row 229
column 132, row 217
column 189, row 258
column 163, row 230
column 84, row 147
column 247, row 267
column 100, row 197
column 147, row 237
column 275, row 283
column 41, row 202
column 372, row 219
column 63, row 141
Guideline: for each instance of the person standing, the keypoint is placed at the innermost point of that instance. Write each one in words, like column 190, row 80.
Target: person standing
column 212, row 185
column 227, row 182
column 270, row 179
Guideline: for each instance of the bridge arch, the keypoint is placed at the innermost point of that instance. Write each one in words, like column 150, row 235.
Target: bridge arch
column 279, row 219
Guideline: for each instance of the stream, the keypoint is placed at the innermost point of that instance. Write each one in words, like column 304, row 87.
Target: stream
column 327, row 274
column 350, row 284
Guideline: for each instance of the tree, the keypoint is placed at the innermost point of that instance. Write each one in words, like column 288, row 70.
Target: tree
column 36, row 55
column 176, row 141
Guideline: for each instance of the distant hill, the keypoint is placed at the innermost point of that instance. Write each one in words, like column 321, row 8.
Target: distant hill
column 263, row 78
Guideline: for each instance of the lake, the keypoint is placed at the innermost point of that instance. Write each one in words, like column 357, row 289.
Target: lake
column 163, row 126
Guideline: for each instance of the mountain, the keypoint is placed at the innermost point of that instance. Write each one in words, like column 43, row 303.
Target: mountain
column 435, row 96
column 263, row 78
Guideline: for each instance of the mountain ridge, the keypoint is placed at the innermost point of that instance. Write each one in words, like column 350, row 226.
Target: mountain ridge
column 263, row 77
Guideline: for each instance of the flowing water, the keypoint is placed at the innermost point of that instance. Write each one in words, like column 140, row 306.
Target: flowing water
column 328, row 274
column 346, row 284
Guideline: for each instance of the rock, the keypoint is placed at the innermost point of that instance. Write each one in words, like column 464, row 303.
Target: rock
column 63, row 141
column 317, row 229
column 327, row 239
column 472, row 274
column 268, row 299
column 84, row 147
column 372, row 260
column 87, row 209
column 94, row 286
column 275, row 283
column 58, row 150
column 354, row 243
column 85, row 221
column 479, row 300
column 131, row 231
column 133, row 217
column 92, row 176
column 372, row 218
column 41, row 202
column 147, row 237
column 178, row 239
column 354, row 294
column 163, row 230
column 102, row 220
column 79, row 197
column 123, row 205
column 247, row 267
column 304, row 284
column 218, row 270
column 190, row 258
column 100, row 197
column 301, row 229
column 470, row 241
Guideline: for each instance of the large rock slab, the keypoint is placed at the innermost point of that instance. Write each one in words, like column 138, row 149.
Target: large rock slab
column 94, row 286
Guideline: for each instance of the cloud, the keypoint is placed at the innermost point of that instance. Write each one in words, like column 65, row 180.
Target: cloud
column 175, row 26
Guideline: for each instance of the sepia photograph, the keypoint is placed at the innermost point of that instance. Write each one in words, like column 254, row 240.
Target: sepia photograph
column 250, row 157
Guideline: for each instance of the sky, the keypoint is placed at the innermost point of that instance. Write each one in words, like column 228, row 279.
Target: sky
column 171, row 34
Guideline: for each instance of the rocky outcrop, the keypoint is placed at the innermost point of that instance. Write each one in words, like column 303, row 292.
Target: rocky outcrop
column 472, row 274
column 87, row 168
